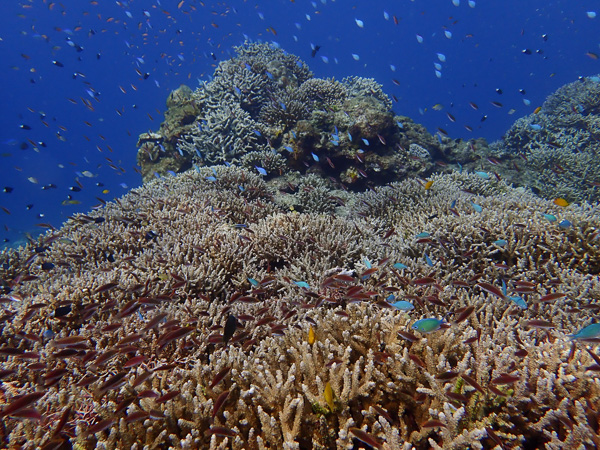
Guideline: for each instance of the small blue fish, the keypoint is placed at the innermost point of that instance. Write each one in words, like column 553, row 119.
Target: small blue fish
column 564, row 223
column 428, row 260
column 288, row 148
column 237, row 90
column 518, row 301
column 500, row 242
column 366, row 141
column 477, row 207
column 315, row 157
column 211, row 178
column 427, row 325
column 241, row 188
column 282, row 105
column 294, row 134
column 269, row 75
column 248, row 67
column 400, row 266
column 256, row 132
column 590, row 332
column 424, row 234
column 253, row 282
column 460, row 167
column 302, row 284
column 48, row 334
column 550, row 217
column 399, row 124
column 535, row 126
column 403, row 306
column 349, row 136
column 367, row 263
column 260, row 170
column 484, row 175
column 453, row 204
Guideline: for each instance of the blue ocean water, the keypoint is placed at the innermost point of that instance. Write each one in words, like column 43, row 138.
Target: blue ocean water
column 82, row 79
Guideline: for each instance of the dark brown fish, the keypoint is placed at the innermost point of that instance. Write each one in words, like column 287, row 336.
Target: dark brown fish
column 62, row 422
column 87, row 380
column 101, row 426
column 68, row 341
column 365, row 437
column 446, row 376
column 458, row 397
column 433, row 424
column 423, row 281
column 5, row 373
column 418, row 361
column 221, row 431
column 21, row 403
column 505, row 379
column 104, row 357
column 135, row 361
column 112, row 383
column 494, row 437
column 219, row 403
column 550, row 297
column 464, row 314
column 491, row 289
column 106, row 287
column 134, row 417
column 168, row 396
column 472, row 383
column 408, row 336
column 219, row 376
column 496, row 391
column 229, row 329
column 539, row 324
column 170, row 336
column 383, row 413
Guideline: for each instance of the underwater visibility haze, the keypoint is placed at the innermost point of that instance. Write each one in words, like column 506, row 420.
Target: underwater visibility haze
column 300, row 224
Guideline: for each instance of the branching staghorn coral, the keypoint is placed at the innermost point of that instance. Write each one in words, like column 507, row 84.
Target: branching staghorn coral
column 128, row 334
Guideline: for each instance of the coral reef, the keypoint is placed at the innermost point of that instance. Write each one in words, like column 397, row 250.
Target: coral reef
column 264, row 100
column 196, row 312
column 555, row 150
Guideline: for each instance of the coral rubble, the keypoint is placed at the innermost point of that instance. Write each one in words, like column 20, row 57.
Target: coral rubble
column 199, row 312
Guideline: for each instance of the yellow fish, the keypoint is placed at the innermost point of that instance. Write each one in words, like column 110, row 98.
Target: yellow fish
column 311, row 336
column 428, row 185
column 537, row 110
column 561, row 202
column 328, row 394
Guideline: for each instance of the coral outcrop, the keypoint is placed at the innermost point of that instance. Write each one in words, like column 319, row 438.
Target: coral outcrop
column 265, row 99
column 195, row 312
column 555, row 150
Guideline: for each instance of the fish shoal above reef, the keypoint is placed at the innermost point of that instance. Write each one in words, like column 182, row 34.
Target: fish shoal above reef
column 202, row 312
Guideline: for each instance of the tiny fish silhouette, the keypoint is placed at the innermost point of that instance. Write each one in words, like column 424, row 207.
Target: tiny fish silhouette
column 230, row 327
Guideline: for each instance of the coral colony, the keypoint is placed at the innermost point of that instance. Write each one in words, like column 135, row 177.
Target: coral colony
column 304, row 269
